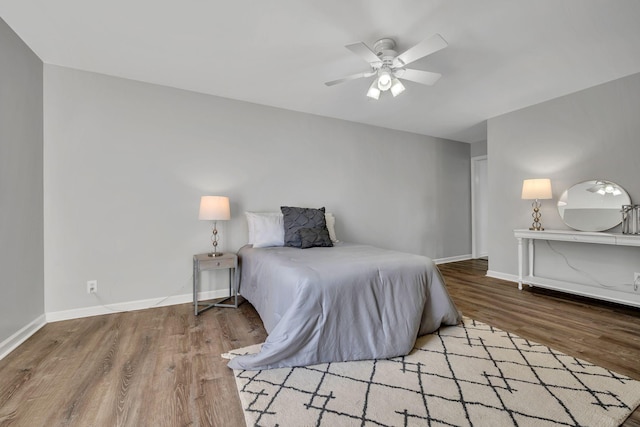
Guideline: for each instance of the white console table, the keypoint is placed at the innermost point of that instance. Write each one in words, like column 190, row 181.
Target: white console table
column 524, row 236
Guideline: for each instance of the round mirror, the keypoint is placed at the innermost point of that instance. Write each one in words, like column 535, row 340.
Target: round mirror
column 593, row 205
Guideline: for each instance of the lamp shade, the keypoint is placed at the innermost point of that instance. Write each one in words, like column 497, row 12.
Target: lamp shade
column 214, row 208
column 373, row 91
column 396, row 87
column 384, row 79
column 536, row 189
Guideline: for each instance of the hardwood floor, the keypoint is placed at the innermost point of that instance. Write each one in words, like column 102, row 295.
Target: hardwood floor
column 162, row 366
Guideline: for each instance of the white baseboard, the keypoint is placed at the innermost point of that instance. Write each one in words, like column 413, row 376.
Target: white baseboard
column 10, row 344
column 97, row 310
column 452, row 259
column 503, row 276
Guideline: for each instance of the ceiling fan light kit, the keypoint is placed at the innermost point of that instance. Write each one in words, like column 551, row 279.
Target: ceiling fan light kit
column 389, row 67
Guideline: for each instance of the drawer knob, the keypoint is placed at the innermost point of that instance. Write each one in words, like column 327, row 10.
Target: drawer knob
column 218, row 263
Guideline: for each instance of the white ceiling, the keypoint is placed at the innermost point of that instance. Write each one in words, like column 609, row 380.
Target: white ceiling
column 503, row 54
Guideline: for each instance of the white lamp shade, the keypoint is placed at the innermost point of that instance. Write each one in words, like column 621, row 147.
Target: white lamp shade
column 384, row 80
column 536, row 189
column 396, row 87
column 214, row 208
column 373, row 91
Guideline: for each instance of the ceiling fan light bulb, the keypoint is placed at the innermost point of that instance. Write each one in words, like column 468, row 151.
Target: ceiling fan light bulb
column 396, row 87
column 384, row 80
column 373, row 91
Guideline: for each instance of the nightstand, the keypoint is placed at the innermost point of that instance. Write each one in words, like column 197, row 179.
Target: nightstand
column 203, row 262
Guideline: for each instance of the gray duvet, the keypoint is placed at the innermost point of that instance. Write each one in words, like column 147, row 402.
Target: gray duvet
column 348, row 302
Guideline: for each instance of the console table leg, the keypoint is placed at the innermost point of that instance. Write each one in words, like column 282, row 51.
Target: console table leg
column 531, row 257
column 519, row 263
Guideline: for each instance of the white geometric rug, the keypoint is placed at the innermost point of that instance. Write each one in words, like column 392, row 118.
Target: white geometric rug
column 466, row 375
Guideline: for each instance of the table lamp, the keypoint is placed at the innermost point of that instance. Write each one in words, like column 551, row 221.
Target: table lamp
column 214, row 208
column 536, row 190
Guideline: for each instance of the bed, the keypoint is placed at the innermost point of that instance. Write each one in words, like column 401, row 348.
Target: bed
column 346, row 302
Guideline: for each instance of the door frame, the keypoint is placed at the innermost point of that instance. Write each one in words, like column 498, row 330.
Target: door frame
column 474, row 190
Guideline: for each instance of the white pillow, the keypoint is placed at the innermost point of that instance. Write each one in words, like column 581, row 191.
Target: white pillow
column 265, row 229
column 331, row 226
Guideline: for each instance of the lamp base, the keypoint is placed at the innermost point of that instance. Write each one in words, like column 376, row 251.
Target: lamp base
column 536, row 225
column 215, row 254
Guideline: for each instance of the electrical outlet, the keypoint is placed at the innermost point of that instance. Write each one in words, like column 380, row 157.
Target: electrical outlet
column 636, row 281
column 92, row 286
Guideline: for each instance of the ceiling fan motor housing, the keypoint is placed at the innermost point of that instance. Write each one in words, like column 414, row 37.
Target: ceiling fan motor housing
column 384, row 48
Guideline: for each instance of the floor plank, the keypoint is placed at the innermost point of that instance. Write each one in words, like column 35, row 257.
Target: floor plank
column 162, row 366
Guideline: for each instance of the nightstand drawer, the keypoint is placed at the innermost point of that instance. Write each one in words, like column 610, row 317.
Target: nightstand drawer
column 213, row 263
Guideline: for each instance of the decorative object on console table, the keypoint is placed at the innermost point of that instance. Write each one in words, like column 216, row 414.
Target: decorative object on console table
column 630, row 219
column 536, row 190
column 214, row 208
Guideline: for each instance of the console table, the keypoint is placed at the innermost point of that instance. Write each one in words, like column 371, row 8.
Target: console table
column 525, row 236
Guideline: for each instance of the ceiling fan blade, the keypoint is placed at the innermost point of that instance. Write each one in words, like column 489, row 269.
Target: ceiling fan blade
column 419, row 76
column 422, row 49
column 351, row 77
column 364, row 52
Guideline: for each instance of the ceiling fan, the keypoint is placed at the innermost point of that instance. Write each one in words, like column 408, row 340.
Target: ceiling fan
column 389, row 67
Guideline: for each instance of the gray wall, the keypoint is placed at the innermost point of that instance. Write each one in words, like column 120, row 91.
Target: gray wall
column 478, row 149
column 592, row 134
column 21, row 194
column 126, row 164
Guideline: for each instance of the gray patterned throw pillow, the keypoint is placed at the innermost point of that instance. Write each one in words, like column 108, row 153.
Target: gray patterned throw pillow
column 314, row 237
column 296, row 218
